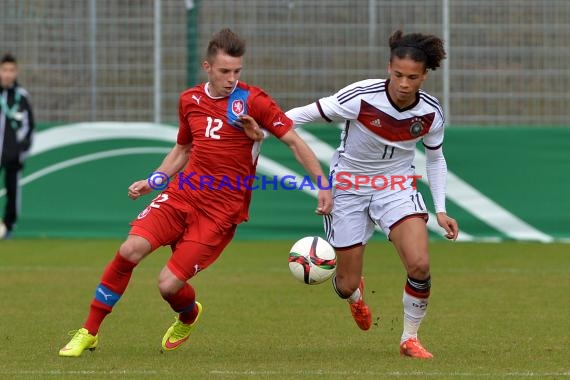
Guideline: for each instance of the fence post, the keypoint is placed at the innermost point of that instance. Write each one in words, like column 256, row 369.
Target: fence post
column 372, row 21
column 446, row 66
column 93, row 52
column 192, row 60
column 157, row 62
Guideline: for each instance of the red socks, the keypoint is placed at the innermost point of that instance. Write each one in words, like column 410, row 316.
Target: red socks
column 184, row 303
column 113, row 284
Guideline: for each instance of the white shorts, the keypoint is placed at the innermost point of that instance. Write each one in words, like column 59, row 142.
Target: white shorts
column 354, row 216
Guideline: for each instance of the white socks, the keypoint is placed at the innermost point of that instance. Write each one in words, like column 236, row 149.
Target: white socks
column 354, row 297
column 414, row 312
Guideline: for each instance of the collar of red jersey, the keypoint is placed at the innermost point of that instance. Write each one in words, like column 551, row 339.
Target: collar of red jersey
column 207, row 91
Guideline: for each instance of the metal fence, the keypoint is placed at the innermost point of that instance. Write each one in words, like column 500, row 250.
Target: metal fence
column 89, row 60
column 86, row 60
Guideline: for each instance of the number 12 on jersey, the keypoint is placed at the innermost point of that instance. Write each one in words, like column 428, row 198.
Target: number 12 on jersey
column 214, row 125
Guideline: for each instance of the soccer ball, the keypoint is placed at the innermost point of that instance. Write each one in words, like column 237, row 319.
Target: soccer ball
column 312, row 260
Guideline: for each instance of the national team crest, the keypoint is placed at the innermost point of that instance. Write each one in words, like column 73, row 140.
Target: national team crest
column 237, row 107
column 416, row 128
column 144, row 212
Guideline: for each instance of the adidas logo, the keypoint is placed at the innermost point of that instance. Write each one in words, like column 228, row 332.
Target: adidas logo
column 376, row 123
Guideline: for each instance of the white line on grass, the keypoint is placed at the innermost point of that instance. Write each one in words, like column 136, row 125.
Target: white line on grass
column 81, row 372
column 397, row 373
column 254, row 373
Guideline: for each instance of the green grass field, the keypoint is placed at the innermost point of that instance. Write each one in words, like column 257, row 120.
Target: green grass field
column 497, row 311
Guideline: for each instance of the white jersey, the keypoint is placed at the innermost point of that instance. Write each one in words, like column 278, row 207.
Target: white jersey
column 380, row 138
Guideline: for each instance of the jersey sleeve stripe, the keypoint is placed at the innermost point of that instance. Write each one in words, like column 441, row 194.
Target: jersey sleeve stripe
column 351, row 90
column 343, row 98
column 362, row 93
column 356, row 89
column 432, row 147
column 433, row 98
column 322, row 113
column 432, row 102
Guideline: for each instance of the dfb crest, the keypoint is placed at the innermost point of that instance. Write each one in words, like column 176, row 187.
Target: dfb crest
column 416, row 128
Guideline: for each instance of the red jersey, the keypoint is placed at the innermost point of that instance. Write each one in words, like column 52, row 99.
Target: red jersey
column 222, row 159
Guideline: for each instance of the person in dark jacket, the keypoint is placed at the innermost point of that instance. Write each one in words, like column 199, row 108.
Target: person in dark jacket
column 16, row 129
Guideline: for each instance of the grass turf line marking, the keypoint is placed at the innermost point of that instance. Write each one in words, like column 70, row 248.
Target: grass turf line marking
column 297, row 373
column 79, row 372
column 372, row 373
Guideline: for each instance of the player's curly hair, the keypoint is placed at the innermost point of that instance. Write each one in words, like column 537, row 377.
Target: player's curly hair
column 425, row 48
column 228, row 42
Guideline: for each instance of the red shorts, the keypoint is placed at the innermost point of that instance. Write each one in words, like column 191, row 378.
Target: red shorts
column 196, row 240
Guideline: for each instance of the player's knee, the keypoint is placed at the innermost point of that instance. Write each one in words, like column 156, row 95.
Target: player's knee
column 168, row 285
column 419, row 268
column 134, row 250
column 166, row 289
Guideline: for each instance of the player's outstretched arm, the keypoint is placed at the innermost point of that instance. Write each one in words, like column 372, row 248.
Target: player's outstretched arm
column 303, row 115
column 174, row 162
column 299, row 115
column 307, row 158
column 436, row 168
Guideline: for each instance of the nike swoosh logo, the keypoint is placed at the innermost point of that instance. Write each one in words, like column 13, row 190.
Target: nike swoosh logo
column 171, row 345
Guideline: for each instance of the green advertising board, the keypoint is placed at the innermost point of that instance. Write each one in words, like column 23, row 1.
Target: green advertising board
column 503, row 183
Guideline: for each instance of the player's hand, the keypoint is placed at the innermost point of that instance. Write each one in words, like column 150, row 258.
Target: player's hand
column 138, row 189
column 250, row 127
column 449, row 225
column 325, row 202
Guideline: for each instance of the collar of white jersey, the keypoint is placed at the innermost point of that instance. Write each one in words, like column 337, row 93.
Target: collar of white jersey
column 207, row 91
